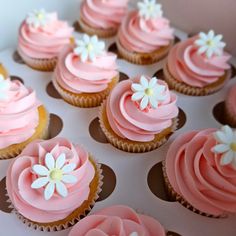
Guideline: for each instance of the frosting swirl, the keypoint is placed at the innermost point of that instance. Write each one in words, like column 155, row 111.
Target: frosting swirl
column 44, row 41
column 188, row 66
column 103, row 14
column 144, row 36
column 195, row 173
column 30, row 202
column 127, row 120
column 18, row 113
column 125, row 222
column 85, row 77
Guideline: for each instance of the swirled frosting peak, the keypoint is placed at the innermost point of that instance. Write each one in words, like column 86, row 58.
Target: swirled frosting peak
column 129, row 118
column 200, row 166
column 49, row 180
column 42, row 35
column 19, row 115
column 124, row 220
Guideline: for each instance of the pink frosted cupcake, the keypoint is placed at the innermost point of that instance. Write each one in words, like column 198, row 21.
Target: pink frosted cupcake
column 139, row 114
column 145, row 36
column 230, row 107
column 52, row 184
column 125, row 220
column 23, row 118
column 198, row 66
column 200, row 171
column 41, row 38
column 86, row 73
column 102, row 18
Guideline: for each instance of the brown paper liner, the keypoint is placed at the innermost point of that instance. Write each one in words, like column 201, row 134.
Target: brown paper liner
column 143, row 58
column 3, row 71
column 85, row 100
column 39, row 64
column 77, row 214
column 133, row 146
column 41, row 132
column 101, row 33
column 177, row 197
column 195, row 91
column 230, row 117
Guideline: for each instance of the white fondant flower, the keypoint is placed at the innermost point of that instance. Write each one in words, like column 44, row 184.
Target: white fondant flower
column 148, row 92
column 54, row 176
column 89, row 47
column 150, row 9
column 4, row 86
column 37, row 18
column 134, row 234
column 226, row 139
column 210, row 44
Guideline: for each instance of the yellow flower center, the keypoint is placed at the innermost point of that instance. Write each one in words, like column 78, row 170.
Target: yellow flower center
column 90, row 47
column 210, row 43
column 149, row 92
column 40, row 16
column 233, row 146
column 56, row 174
column 150, row 8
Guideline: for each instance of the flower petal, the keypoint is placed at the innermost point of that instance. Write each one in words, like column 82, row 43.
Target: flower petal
column 60, row 161
column 69, row 179
column 94, row 39
column 61, row 189
column 202, row 49
column 78, row 50
column 137, row 87
column 144, row 102
column 40, row 170
column 68, row 168
column 137, row 96
column 152, row 82
column 221, row 148
column 86, row 38
column 228, row 133
column 153, row 102
column 144, row 82
column 221, row 137
column 91, row 56
column 40, row 182
column 227, row 158
column 84, row 55
column 50, row 161
column 49, row 190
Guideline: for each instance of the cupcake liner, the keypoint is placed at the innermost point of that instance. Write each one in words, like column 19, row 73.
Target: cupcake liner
column 143, row 58
column 101, row 33
column 41, row 132
column 76, row 215
column 132, row 146
column 39, row 64
column 85, row 100
column 3, row 71
column 177, row 197
column 230, row 117
column 195, row 91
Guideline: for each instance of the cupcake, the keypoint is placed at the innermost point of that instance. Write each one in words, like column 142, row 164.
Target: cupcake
column 198, row 66
column 230, row 107
column 85, row 73
column 41, row 38
column 23, row 118
column 145, row 35
column 3, row 71
column 125, row 222
column 200, row 171
column 102, row 18
column 139, row 114
column 53, row 183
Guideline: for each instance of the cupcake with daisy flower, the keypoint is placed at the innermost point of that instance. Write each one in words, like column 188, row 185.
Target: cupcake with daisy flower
column 52, row 184
column 41, row 38
column 86, row 72
column 145, row 36
column 199, row 65
column 139, row 114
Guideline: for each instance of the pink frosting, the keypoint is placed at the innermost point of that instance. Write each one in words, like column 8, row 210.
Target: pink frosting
column 195, row 173
column 103, row 14
column 44, row 42
column 85, row 77
column 188, row 66
column 144, row 36
column 124, row 222
column 128, row 121
column 18, row 114
column 30, row 202
column 231, row 100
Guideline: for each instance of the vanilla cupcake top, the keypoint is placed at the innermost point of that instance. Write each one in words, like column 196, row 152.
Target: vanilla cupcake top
column 200, row 60
column 85, row 66
column 42, row 35
column 19, row 114
column 145, row 30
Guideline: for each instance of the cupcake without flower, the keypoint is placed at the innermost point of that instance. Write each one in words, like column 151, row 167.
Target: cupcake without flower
column 200, row 171
column 23, row 118
column 230, row 107
column 53, row 183
column 85, row 73
column 102, row 18
column 139, row 114
column 41, row 38
column 145, row 36
column 199, row 65
column 125, row 220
